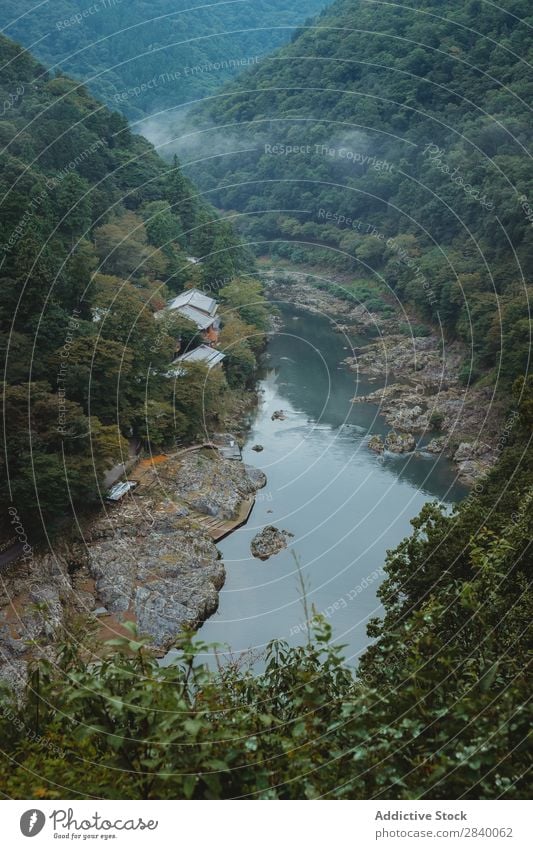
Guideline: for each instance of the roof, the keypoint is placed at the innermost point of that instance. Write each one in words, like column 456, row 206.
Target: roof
column 120, row 489
column 195, row 299
column 203, row 354
column 200, row 319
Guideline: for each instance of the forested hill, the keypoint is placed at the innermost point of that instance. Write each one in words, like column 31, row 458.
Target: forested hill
column 96, row 232
column 151, row 55
column 380, row 121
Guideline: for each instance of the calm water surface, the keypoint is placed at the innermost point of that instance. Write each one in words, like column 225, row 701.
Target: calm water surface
column 345, row 505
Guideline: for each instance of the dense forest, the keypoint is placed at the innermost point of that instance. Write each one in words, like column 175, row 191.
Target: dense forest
column 391, row 142
column 144, row 57
column 97, row 231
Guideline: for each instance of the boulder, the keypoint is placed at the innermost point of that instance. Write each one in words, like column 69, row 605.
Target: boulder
column 375, row 443
column 269, row 541
column 470, row 450
column 257, row 448
column 256, row 476
column 474, row 460
column 436, row 445
column 399, row 443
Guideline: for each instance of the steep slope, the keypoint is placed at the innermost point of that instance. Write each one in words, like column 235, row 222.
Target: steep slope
column 391, row 142
column 144, row 57
column 95, row 231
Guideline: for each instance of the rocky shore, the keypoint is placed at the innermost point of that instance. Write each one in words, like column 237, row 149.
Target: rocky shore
column 422, row 400
column 150, row 560
column 426, row 398
column 292, row 286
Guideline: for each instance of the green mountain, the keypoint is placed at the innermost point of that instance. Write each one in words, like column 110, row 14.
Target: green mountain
column 96, row 232
column 391, row 142
column 145, row 56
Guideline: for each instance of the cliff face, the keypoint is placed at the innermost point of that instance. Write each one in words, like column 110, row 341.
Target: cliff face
column 150, row 560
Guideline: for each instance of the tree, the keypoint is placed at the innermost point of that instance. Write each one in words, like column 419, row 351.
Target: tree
column 236, row 340
column 246, row 297
column 55, row 455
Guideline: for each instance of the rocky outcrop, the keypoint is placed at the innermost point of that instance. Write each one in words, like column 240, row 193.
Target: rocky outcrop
column 474, row 460
column 35, row 596
column 269, row 541
column 156, row 569
column 296, row 287
column 436, row 446
column 396, row 443
column 420, row 358
column 399, row 443
column 376, row 444
column 431, row 399
column 206, row 483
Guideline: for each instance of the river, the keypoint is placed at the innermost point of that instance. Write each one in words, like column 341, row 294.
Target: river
column 345, row 505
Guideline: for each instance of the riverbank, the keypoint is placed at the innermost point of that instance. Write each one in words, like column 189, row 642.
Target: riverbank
column 422, row 399
column 339, row 506
column 150, row 560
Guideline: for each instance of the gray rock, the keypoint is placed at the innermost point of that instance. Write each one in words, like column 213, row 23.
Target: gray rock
column 205, row 505
column 269, row 541
column 436, row 445
column 257, row 478
column 470, row 450
column 399, row 443
column 375, row 443
column 160, row 615
column 474, row 460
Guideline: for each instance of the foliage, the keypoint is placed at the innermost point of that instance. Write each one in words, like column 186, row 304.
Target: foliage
column 95, row 231
column 169, row 52
column 390, row 142
column 438, row 708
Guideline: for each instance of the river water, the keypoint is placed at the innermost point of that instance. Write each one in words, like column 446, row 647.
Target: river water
column 345, row 505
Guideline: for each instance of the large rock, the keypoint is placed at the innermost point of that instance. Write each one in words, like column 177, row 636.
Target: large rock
column 409, row 418
column 269, row 541
column 256, row 476
column 210, row 484
column 471, row 450
column 158, row 570
column 36, row 597
column 399, row 443
column 474, row 460
column 437, row 445
column 375, row 443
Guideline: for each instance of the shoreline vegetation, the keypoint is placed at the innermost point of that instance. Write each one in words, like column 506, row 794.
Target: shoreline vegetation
column 422, row 392
column 113, row 578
